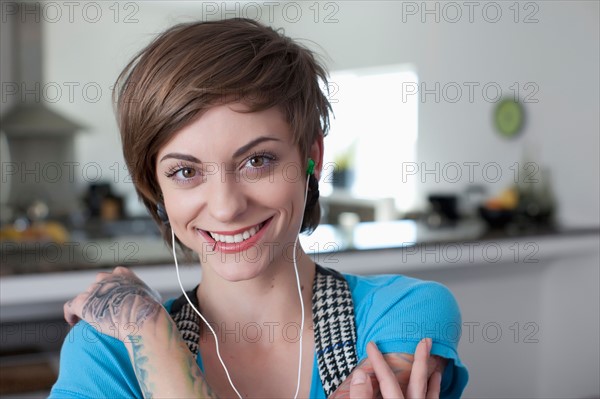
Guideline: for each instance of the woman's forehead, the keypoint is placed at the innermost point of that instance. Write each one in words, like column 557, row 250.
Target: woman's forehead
column 224, row 128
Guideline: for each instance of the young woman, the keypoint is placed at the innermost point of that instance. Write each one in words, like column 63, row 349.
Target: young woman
column 222, row 126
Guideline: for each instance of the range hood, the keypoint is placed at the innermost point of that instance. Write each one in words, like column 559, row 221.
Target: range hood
column 30, row 114
column 40, row 140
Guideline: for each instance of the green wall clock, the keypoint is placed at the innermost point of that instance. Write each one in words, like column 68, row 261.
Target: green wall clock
column 509, row 117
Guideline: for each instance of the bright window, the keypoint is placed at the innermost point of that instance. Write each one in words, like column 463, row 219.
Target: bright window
column 373, row 118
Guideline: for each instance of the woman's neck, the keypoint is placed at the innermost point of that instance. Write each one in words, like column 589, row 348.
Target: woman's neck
column 271, row 297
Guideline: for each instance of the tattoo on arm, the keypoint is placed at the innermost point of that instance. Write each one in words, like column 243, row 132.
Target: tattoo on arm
column 117, row 299
column 196, row 379
column 141, row 366
column 179, row 363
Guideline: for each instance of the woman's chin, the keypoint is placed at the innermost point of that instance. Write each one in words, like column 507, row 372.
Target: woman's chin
column 237, row 271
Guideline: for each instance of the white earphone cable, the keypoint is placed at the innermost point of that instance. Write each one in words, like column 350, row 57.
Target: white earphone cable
column 213, row 331
column 202, row 317
column 300, row 295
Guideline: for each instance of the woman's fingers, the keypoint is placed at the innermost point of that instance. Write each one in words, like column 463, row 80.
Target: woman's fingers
column 361, row 387
column 420, row 385
column 114, row 302
column 73, row 308
column 388, row 385
column 417, row 385
column 122, row 270
column 69, row 315
column 434, row 385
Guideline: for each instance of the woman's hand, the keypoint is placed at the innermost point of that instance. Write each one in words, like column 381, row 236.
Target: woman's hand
column 419, row 386
column 118, row 303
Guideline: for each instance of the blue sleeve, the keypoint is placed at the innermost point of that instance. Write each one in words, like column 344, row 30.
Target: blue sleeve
column 94, row 365
column 396, row 312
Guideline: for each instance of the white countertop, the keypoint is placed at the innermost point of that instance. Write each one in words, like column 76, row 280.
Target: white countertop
column 41, row 296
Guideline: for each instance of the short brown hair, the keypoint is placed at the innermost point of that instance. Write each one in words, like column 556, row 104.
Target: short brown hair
column 194, row 66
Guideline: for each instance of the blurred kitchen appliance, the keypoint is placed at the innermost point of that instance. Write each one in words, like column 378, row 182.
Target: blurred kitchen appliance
column 40, row 140
column 5, row 213
column 444, row 210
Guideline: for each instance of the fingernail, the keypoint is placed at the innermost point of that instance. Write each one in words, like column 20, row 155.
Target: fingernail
column 427, row 342
column 359, row 377
column 373, row 346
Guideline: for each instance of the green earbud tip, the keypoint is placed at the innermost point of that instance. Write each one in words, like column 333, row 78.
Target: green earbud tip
column 311, row 166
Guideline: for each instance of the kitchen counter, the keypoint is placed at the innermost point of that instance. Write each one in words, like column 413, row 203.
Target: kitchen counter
column 390, row 247
column 139, row 249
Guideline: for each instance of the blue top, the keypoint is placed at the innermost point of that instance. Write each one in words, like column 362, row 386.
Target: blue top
column 393, row 311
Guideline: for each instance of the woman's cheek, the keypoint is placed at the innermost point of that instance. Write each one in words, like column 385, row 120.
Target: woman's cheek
column 276, row 193
column 181, row 208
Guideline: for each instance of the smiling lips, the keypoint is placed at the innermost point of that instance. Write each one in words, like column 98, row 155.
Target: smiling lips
column 236, row 241
column 229, row 238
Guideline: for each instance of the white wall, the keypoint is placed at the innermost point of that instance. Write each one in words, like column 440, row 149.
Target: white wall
column 558, row 55
column 530, row 327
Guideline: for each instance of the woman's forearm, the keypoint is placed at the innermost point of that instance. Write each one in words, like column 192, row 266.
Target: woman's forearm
column 163, row 364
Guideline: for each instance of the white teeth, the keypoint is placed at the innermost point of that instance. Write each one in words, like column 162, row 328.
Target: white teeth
column 236, row 237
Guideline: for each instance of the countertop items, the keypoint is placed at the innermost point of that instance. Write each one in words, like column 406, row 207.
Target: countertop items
column 137, row 247
column 38, row 295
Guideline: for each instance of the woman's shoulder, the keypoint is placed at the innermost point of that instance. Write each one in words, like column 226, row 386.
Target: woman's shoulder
column 394, row 288
column 402, row 302
column 397, row 311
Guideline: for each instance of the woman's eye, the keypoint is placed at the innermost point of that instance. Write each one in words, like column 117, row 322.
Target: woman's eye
column 257, row 162
column 261, row 161
column 182, row 174
column 187, row 173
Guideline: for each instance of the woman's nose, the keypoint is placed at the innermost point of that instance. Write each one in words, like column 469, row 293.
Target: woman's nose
column 226, row 200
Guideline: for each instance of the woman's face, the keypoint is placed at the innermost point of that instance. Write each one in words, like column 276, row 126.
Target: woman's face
column 233, row 188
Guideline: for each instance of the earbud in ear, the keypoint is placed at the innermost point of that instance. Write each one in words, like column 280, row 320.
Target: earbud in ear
column 311, row 167
column 162, row 213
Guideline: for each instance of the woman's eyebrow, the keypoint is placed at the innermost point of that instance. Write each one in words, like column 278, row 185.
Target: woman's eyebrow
column 184, row 157
column 253, row 143
column 240, row 151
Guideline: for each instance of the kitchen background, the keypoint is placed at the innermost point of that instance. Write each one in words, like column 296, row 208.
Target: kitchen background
column 510, row 224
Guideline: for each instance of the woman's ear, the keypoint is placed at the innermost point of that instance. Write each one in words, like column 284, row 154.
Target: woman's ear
column 316, row 154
